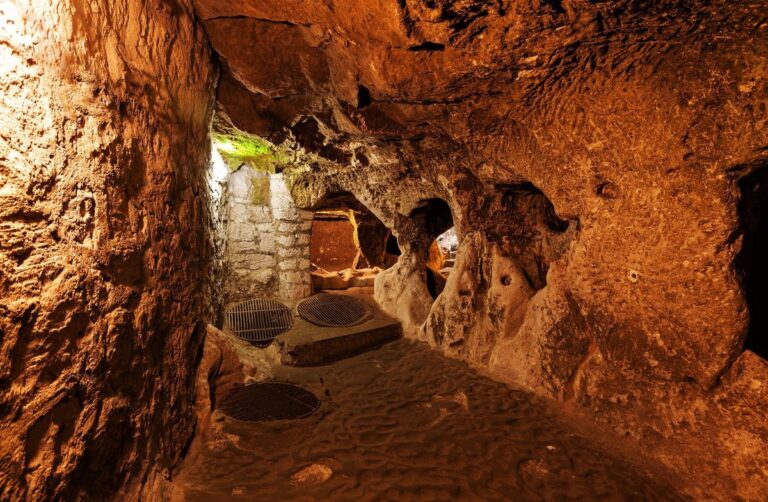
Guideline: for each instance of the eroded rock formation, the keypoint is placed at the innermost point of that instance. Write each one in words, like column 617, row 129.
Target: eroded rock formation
column 590, row 153
column 105, row 259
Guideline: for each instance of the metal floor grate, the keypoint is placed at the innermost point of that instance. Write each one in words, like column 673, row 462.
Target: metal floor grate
column 334, row 310
column 267, row 401
column 258, row 321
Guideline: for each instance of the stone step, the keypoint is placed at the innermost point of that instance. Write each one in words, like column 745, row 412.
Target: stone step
column 306, row 344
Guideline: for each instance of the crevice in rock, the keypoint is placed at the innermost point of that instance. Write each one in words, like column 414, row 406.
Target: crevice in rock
column 405, row 17
column 751, row 263
column 257, row 19
column 427, row 47
column 393, row 247
column 556, row 5
column 363, row 96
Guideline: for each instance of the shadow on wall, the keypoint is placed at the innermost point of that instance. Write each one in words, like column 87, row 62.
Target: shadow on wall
column 752, row 261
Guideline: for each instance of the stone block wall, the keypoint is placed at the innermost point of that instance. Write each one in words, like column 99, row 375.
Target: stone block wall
column 267, row 239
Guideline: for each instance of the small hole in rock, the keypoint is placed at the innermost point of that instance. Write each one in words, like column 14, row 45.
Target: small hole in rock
column 606, row 190
column 392, row 247
column 427, row 46
column 363, row 96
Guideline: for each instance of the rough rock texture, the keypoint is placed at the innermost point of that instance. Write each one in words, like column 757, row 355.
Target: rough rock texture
column 105, row 251
column 591, row 154
column 267, row 239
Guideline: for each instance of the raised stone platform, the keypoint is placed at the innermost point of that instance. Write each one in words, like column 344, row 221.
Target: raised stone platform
column 306, row 344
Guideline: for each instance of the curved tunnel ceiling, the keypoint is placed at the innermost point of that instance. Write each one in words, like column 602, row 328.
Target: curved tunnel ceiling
column 433, row 77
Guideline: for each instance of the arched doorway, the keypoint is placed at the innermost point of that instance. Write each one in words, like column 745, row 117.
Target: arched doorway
column 349, row 245
column 440, row 242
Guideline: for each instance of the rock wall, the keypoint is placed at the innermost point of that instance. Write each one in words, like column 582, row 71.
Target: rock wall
column 267, row 239
column 591, row 154
column 105, row 255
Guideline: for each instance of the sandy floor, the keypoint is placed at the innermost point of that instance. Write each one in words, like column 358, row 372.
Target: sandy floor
column 403, row 423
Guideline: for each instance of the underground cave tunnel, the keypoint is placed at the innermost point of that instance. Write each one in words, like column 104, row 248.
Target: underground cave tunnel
column 384, row 250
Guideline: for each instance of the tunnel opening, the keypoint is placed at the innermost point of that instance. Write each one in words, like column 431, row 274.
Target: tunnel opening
column 349, row 246
column 441, row 257
column 333, row 240
column 393, row 248
column 751, row 264
column 440, row 242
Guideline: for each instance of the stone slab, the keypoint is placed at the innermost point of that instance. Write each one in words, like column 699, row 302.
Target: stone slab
column 308, row 345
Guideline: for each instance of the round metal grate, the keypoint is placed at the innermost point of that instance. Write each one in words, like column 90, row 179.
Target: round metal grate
column 258, row 321
column 334, row 310
column 267, row 401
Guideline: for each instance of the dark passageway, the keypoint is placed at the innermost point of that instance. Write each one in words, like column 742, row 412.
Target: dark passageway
column 752, row 261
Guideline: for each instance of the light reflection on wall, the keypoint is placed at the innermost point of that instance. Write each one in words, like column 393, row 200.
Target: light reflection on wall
column 217, row 174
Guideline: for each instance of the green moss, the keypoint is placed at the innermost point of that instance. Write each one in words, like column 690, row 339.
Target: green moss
column 240, row 149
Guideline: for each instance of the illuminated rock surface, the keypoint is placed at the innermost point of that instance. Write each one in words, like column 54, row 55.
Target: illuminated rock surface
column 105, row 261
